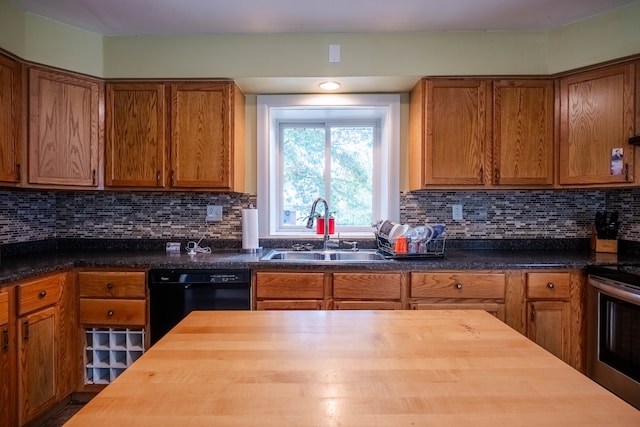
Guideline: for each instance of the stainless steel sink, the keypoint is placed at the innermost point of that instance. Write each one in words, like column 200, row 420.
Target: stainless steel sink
column 321, row 255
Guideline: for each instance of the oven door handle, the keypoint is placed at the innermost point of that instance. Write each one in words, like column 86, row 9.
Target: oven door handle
column 615, row 291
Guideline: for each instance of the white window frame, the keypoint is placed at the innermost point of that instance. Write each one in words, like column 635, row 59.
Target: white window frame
column 274, row 108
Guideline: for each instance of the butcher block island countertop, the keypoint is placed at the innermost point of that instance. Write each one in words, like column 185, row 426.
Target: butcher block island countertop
column 351, row 368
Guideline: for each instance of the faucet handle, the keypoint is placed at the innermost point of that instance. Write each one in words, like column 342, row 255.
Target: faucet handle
column 354, row 245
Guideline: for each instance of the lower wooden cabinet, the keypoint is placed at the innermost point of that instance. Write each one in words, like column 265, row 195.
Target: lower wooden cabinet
column 326, row 290
column 459, row 290
column 47, row 331
column 113, row 319
column 367, row 291
column 290, row 291
column 7, row 361
column 549, row 320
column 37, row 362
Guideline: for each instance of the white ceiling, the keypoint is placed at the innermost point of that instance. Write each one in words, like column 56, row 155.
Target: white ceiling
column 128, row 17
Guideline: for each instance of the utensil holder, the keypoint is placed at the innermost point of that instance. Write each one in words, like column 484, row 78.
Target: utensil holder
column 603, row 245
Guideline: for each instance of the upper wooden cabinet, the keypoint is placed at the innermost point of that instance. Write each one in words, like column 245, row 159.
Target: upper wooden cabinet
column 597, row 117
column 523, row 132
column 10, row 120
column 450, row 130
column 64, row 129
column 467, row 133
column 136, row 135
column 194, row 140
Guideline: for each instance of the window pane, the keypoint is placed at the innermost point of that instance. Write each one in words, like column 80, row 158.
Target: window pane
column 303, row 154
column 352, row 175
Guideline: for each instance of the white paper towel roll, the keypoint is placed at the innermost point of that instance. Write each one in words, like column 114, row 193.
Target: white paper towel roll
column 250, row 229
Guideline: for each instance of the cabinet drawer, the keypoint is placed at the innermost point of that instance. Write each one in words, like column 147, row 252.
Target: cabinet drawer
column 367, row 305
column 458, row 285
column 290, row 285
column 366, row 286
column 548, row 285
column 4, row 308
column 39, row 293
column 112, row 312
column 289, row 305
column 112, row 284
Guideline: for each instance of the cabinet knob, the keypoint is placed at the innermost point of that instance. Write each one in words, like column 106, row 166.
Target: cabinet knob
column 458, row 285
column 550, row 285
column 42, row 294
column 109, row 286
column 110, row 313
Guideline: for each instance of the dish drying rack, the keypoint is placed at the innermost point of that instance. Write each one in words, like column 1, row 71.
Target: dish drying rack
column 434, row 248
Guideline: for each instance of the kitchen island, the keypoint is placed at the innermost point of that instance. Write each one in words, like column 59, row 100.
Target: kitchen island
column 351, row 368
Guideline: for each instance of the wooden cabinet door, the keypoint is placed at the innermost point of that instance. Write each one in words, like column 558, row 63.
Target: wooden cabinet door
column 201, row 135
column 596, row 117
column 457, row 130
column 37, row 363
column 7, row 363
column 63, row 129
column 136, row 146
column 548, row 325
column 10, row 120
column 523, row 132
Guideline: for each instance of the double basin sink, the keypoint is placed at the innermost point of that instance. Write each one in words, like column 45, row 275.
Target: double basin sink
column 322, row 255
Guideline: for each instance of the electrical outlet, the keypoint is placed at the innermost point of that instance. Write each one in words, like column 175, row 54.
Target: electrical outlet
column 214, row 213
column 456, row 211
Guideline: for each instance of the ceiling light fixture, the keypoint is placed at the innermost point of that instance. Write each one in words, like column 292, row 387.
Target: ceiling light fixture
column 330, row 85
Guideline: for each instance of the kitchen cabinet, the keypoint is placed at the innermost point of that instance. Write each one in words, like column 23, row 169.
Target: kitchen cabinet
column 523, row 148
column 113, row 319
column 11, row 120
column 471, row 132
column 64, row 129
column 596, row 118
column 458, row 290
column 207, row 135
column 47, row 334
column 554, row 314
column 136, row 135
column 290, row 291
column 450, row 133
column 7, row 359
column 367, row 291
column 182, row 135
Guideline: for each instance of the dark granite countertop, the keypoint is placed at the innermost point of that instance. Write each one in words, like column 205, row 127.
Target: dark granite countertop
column 23, row 266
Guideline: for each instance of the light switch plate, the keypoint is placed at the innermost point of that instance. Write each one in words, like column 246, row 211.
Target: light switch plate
column 214, row 213
column 456, row 211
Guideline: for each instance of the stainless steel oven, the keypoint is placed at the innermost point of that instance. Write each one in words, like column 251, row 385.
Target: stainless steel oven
column 613, row 330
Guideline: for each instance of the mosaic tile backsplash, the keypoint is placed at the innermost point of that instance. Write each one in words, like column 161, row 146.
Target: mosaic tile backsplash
column 27, row 215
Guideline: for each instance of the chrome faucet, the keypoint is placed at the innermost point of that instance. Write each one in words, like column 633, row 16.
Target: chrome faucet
column 325, row 244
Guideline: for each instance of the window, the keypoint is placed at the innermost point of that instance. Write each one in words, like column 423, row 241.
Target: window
column 343, row 148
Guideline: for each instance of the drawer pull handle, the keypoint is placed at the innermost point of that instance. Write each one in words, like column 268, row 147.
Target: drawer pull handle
column 42, row 294
column 109, row 286
column 458, row 285
column 110, row 313
column 550, row 285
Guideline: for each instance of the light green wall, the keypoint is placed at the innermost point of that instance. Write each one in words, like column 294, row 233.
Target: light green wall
column 609, row 36
column 12, row 28
column 305, row 55
column 58, row 45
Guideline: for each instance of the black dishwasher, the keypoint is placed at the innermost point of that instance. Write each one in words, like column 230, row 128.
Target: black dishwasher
column 175, row 293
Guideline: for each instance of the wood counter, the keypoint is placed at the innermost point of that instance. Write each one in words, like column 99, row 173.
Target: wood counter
column 351, row 368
